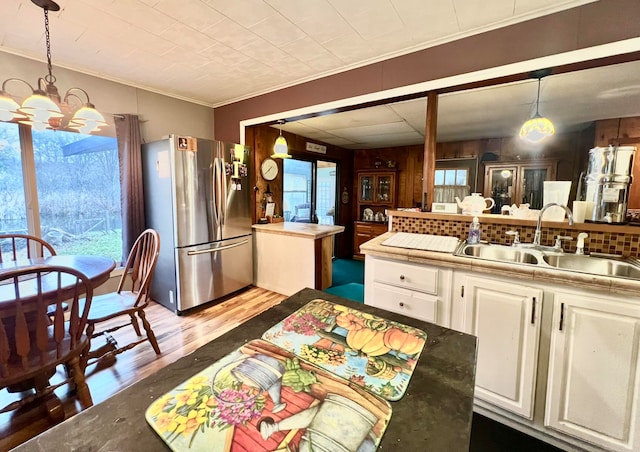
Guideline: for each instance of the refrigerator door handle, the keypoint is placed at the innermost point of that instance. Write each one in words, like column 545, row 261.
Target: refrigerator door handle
column 214, row 250
column 223, row 187
column 216, row 194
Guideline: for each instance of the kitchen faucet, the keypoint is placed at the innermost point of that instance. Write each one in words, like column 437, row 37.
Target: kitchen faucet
column 538, row 233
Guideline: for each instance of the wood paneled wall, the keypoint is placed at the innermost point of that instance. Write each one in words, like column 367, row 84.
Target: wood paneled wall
column 571, row 151
column 261, row 139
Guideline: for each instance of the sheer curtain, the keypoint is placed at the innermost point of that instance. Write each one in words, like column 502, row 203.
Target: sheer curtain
column 448, row 193
column 131, row 189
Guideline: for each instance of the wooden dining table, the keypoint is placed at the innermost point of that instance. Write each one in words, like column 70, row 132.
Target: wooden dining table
column 96, row 268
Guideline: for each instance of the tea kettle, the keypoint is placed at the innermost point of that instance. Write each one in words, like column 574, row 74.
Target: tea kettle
column 475, row 204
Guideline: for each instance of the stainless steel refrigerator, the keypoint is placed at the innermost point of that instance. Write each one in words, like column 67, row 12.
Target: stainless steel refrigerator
column 197, row 196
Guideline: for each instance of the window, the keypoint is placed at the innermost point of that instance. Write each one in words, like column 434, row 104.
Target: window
column 449, row 183
column 71, row 184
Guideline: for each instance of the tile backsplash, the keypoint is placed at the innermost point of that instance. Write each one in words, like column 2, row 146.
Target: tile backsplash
column 620, row 243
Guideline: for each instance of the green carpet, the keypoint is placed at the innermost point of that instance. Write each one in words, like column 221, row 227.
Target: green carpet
column 352, row 291
column 347, row 271
column 348, row 279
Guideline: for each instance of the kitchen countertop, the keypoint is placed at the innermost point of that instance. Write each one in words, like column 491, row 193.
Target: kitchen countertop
column 434, row 414
column 611, row 285
column 306, row 230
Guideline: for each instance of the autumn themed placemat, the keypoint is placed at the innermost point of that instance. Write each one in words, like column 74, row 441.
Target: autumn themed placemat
column 375, row 353
column 263, row 398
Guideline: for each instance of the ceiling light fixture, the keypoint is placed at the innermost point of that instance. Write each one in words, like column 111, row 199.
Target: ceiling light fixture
column 280, row 148
column 45, row 109
column 538, row 127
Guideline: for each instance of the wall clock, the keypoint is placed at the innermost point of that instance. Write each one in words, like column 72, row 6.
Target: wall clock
column 269, row 169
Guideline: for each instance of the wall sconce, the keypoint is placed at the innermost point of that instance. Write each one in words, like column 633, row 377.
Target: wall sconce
column 280, row 148
column 538, row 127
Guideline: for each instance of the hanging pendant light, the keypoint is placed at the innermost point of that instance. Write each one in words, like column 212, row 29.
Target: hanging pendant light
column 45, row 109
column 280, row 148
column 538, row 127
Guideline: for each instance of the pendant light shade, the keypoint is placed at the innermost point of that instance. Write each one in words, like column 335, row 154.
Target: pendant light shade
column 280, row 147
column 538, row 127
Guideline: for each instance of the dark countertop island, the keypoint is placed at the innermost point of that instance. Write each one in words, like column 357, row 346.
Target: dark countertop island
column 434, row 414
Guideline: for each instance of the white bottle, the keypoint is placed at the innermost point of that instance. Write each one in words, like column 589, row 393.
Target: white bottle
column 474, row 232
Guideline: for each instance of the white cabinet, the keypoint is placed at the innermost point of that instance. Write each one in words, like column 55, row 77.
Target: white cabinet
column 506, row 319
column 561, row 364
column 415, row 290
column 594, row 370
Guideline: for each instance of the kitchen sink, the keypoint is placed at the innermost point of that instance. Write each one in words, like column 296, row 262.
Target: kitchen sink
column 624, row 268
column 499, row 253
column 547, row 257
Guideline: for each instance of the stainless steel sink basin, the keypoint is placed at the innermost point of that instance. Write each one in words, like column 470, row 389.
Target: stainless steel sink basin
column 499, row 253
column 543, row 258
column 622, row 268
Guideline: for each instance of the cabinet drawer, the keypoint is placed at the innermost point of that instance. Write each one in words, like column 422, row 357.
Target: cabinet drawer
column 413, row 277
column 406, row 302
column 371, row 228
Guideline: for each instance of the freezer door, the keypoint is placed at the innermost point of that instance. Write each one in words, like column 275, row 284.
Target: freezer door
column 213, row 270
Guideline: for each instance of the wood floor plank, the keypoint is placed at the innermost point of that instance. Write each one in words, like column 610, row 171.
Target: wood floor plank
column 177, row 336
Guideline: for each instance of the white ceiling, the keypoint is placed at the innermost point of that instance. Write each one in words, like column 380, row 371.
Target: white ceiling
column 217, row 51
column 214, row 52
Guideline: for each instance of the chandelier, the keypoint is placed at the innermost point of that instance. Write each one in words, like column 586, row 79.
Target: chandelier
column 538, row 127
column 45, row 108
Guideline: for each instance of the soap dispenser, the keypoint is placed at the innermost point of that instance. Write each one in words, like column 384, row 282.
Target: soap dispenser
column 580, row 244
column 474, row 232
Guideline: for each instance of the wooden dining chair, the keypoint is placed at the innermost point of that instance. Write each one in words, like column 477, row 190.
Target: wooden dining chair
column 129, row 300
column 33, row 343
column 15, row 246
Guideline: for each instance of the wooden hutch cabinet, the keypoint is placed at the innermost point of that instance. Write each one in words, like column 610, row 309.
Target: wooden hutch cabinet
column 376, row 192
column 518, row 182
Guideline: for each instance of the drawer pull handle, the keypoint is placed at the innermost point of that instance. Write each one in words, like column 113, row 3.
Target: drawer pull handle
column 401, row 304
column 401, row 277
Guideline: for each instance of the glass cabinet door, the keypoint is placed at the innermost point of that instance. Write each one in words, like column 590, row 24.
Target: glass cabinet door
column 532, row 186
column 383, row 189
column 502, row 182
column 366, row 188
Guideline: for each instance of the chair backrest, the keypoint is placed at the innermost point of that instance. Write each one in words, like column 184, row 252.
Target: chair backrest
column 16, row 246
column 140, row 265
column 30, row 339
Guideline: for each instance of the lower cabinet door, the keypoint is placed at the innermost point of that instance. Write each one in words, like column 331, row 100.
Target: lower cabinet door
column 505, row 318
column 594, row 371
column 407, row 302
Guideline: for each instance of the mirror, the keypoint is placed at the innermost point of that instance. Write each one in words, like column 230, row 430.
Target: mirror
column 588, row 107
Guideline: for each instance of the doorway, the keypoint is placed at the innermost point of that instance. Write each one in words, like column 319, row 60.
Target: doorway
column 309, row 191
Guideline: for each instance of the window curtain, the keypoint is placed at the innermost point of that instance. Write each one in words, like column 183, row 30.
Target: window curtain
column 448, row 193
column 131, row 189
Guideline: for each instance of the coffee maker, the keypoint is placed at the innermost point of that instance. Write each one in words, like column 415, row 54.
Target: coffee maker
column 607, row 183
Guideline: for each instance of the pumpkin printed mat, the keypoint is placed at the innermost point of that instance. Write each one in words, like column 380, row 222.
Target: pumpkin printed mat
column 263, row 398
column 377, row 354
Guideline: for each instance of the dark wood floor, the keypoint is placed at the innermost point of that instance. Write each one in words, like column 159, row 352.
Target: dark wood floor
column 180, row 335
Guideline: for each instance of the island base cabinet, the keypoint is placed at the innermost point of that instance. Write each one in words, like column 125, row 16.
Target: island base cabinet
column 594, row 371
column 413, row 304
column 411, row 289
column 506, row 319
